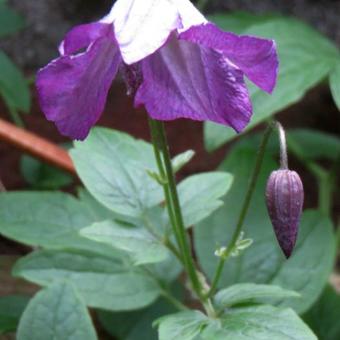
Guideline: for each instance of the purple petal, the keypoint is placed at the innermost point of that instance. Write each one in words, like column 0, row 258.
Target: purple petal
column 73, row 89
column 256, row 57
column 82, row 36
column 186, row 80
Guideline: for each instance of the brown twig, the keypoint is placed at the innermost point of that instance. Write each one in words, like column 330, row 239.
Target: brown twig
column 36, row 146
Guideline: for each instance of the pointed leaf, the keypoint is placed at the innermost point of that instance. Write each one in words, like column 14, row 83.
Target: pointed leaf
column 323, row 317
column 334, row 82
column 58, row 313
column 200, row 194
column 185, row 325
column 139, row 243
column 47, row 219
column 251, row 293
column 113, row 166
column 182, row 159
column 260, row 323
column 13, row 86
column 103, row 283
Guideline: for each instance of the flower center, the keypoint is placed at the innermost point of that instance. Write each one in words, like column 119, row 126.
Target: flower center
column 132, row 76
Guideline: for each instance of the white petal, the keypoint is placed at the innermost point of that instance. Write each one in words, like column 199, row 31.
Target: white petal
column 189, row 14
column 143, row 26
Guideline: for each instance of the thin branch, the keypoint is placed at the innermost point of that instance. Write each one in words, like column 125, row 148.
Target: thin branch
column 36, row 146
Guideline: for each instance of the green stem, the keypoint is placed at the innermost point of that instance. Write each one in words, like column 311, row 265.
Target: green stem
column 178, row 304
column 172, row 200
column 244, row 209
column 16, row 117
column 217, row 276
column 173, row 249
column 155, row 136
column 149, row 226
column 209, row 308
column 283, row 146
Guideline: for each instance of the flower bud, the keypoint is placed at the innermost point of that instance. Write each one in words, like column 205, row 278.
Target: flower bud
column 284, row 199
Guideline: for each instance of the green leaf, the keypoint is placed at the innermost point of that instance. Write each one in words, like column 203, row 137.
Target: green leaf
column 135, row 325
column 47, row 219
column 97, row 211
column 43, row 176
column 313, row 144
column 154, row 219
column 10, row 21
column 139, row 243
column 260, row 323
column 58, row 313
column 13, row 86
column 334, row 82
column 184, row 325
column 323, row 317
column 306, row 58
column 251, row 293
column 11, row 308
column 113, row 166
column 182, row 159
column 200, row 195
column 104, row 283
column 306, row 272
column 239, row 21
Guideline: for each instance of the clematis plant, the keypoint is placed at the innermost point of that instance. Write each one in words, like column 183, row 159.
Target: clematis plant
column 175, row 63
column 121, row 243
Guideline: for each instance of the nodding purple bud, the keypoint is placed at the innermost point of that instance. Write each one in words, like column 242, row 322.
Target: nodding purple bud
column 284, row 199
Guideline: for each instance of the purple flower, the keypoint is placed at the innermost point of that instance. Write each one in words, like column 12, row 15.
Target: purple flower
column 175, row 62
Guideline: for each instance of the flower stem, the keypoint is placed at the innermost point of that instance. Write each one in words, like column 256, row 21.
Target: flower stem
column 172, row 200
column 283, row 146
column 244, row 209
column 155, row 136
column 166, row 241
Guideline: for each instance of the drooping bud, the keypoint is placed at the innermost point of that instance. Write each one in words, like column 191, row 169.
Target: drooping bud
column 284, row 199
